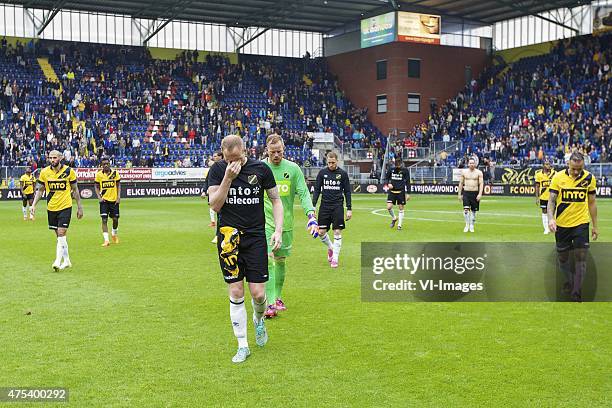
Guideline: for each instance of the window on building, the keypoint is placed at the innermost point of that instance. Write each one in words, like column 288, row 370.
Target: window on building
column 414, row 103
column 414, row 68
column 381, row 104
column 381, row 69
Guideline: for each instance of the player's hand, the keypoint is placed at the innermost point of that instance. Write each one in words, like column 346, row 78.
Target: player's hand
column 459, row 197
column 552, row 225
column 233, row 169
column 79, row 212
column 349, row 214
column 478, row 197
column 118, row 200
column 537, row 201
column 32, row 210
column 407, row 197
column 312, row 226
column 276, row 241
column 594, row 233
column 203, row 195
column 101, row 200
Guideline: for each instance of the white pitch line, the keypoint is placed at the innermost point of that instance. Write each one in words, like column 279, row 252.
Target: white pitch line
column 458, row 220
column 376, row 212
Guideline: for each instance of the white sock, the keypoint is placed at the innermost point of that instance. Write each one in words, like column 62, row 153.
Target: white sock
column 114, row 231
column 545, row 221
column 473, row 218
column 466, row 215
column 105, row 235
column 213, row 216
column 238, row 316
column 64, row 244
column 326, row 241
column 259, row 309
column 337, row 247
column 25, row 211
column 391, row 213
column 59, row 250
column 401, row 218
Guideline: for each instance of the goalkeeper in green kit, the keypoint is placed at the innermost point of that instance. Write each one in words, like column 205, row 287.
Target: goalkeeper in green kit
column 290, row 181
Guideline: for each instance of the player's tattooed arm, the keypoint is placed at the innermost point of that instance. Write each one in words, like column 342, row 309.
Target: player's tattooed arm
column 480, row 185
column 218, row 194
column 77, row 198
column 277, row 212
column 460, row 185
column 593, row 213
column 550, row 210
column 40, row 188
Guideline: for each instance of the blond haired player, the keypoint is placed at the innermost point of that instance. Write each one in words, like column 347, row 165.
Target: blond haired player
column 470, row 192
column 60, row 183
column 108, row 192
column 543, row 179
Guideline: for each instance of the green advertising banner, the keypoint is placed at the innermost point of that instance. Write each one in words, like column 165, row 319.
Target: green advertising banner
column 378, row 30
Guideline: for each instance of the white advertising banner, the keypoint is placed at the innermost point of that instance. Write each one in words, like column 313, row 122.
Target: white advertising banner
column 180, row 173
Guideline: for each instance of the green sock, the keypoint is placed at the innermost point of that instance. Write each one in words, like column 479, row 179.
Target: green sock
column 280, row 277
column 271, row 283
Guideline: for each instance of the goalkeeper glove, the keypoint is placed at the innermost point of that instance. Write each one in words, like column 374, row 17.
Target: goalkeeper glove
column 312, row 226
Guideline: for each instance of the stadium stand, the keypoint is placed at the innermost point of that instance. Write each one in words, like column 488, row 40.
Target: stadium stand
column 538, row 107
column 96, row 100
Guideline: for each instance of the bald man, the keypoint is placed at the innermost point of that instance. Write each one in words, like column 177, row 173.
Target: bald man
column 236, row 188
column 60, row 183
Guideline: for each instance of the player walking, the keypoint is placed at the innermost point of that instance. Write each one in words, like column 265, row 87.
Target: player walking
column 542, row 183
column 470, row 192
column 332, row 183
column 290, row 182
column 571, row 206
column 26, row 183
column 60, row 183
column 109, row 194
column 399, row 180
column 236, row 192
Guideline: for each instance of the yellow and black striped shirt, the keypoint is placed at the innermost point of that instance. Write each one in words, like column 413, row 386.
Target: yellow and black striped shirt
column 572, row 206
column 544, row 180
column 27, row 182
column 108, row 184
column 59, row 186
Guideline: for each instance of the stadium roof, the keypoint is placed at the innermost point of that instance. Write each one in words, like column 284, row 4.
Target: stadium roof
column 309, row 15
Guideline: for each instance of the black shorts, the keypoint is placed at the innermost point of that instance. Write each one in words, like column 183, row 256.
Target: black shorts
column 572, row 237
column 242, row 255
column 544, row 204
column 59, row 219
column 470, row 201
column 331, row 217
column 396, row 198
column 28, row 197
column 109, row 209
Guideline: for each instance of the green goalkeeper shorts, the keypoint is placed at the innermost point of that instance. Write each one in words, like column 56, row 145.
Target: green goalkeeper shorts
column 287, row 244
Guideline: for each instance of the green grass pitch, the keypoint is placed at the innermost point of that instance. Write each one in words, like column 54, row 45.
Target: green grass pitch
column 145, row 323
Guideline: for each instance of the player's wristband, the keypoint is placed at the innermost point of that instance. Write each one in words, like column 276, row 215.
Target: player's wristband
column 312, row 226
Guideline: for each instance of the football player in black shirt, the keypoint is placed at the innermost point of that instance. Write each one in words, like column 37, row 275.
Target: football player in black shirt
column 236, row 193
column 398, row 179
column 332, row 184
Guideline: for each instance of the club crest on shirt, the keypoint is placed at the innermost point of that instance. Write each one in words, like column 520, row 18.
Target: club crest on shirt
column 252, row 179
column 338, row 176
column 286, row 175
